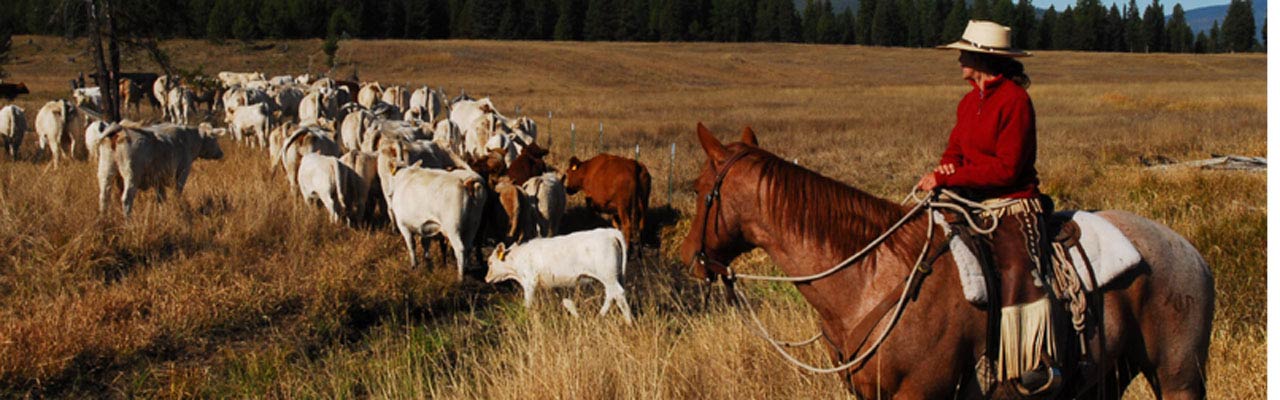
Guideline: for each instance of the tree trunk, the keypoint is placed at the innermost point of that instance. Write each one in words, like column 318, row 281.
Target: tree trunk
column 107, row 82
column 111, row 93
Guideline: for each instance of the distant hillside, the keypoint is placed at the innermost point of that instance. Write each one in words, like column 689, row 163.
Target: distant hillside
column 1201, row 19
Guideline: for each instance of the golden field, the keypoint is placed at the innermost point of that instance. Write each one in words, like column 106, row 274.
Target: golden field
column 237, row 289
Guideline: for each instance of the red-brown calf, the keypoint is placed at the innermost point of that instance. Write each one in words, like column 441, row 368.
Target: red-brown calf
column 613, row 185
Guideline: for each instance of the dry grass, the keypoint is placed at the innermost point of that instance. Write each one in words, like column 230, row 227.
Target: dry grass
column 237, row 290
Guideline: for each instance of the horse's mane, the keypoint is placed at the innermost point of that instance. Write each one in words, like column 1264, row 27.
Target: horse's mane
column 814, row 207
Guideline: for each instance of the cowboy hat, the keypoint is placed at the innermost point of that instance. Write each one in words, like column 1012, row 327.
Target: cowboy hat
column 986, row 37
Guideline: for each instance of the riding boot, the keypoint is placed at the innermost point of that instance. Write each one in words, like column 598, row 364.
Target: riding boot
column 1027, row 344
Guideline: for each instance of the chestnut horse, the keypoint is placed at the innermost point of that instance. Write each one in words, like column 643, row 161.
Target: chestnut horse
column 1157, row 318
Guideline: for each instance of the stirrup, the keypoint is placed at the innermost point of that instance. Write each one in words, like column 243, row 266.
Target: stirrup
column 1039, row 381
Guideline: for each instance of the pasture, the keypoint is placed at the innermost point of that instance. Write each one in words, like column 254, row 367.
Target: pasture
column 238, row 289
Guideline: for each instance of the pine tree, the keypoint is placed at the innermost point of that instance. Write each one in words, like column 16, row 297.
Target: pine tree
column 1002, row 12
column 1153, row 26
column 957, row 20
column 848, row 27
column 866, row 13
column 1215, row 38
column 1238, row 28
column 221, row 18
column 1202, row 43
column 931, row 21
column 1116, row 34
column 828, row 29
column 886, row 30
column 6, row 42
column 569, row 23
column 1064, row 32
column 1179, row 33
column 907, row 13
column 601, row 22
column 1023, row 24
column 632, row 23
column 1135, row 34
column 767, row 27
column 981, row 10
column 1048, row 23
column 1089, row 18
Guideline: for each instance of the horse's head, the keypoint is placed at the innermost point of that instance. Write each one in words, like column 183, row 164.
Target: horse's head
column 716, row 237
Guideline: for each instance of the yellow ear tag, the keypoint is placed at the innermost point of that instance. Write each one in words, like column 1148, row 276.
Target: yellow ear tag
column 502, row 255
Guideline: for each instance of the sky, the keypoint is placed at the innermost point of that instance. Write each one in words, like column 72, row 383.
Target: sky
column 1168, row 4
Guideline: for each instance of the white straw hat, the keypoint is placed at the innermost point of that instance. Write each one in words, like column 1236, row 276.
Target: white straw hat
column 986, row 37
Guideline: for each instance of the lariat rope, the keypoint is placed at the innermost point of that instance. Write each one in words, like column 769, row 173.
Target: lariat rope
column 925, row 202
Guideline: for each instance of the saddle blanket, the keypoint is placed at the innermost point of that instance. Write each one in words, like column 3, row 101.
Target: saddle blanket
column 1107, row 249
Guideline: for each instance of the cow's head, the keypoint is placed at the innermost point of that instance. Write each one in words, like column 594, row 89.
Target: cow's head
column 500, row 266
column 574, row 176
column 209, row 148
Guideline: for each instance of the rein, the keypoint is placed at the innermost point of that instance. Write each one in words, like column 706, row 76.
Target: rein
column 887, row 307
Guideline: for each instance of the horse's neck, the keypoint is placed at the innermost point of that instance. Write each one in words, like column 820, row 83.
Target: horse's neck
column 845, row 297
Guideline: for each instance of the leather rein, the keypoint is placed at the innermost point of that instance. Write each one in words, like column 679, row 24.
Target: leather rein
column 894, row 302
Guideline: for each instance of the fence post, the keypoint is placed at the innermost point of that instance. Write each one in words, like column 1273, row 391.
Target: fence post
column 637, row 152
column 600, row 142
column 671, row 175
column 550, row 137
column 573, row 130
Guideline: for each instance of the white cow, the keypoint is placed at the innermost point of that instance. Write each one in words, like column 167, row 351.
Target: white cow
column 560, row 261
column 53, row 126
column 310, row 108
column 93, row 131
column 428, row 202
column 325, row 180
column 230, row 79
column 13, row 126
column 354, row 126
column 182, row 105
column 154, row 157
column 251, row 120
column 547, row 193
column 447, row 135
column 366, row 194
column 305, row 140
column 160, row 90
column 282, row 80
column 88, row 96
column 369, row 93
column 397, row 96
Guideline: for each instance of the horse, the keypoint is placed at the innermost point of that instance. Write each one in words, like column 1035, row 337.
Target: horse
column 1157, row 318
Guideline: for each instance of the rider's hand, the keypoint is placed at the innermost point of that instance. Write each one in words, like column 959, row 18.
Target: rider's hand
column 945, row 169
column 928, row 182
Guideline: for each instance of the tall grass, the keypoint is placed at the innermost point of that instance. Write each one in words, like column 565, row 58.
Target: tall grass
column 237, row 289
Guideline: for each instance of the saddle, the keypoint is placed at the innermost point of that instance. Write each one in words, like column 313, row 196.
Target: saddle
column 1067, row 274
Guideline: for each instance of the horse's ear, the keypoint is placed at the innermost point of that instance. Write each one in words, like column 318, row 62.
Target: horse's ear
column 749, row 137
column 713, row 147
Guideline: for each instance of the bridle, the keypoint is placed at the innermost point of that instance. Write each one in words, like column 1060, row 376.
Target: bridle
column 711, row 267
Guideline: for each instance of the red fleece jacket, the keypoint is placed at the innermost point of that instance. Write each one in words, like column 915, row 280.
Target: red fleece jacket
column 993, row 144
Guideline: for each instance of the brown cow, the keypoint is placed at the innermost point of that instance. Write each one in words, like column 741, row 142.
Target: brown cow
column 9, row 91
column 613, row 185
column 130, row 94
column 528, row 164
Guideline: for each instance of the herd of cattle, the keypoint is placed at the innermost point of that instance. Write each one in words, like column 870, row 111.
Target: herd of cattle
column 429, row 166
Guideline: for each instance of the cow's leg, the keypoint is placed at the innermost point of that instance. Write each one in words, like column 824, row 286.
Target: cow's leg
column 459, row 252
column 614, row 293
column 529, row 287
column 106, row 175
column 126, row 198
column 329, row 206
column 408, row 242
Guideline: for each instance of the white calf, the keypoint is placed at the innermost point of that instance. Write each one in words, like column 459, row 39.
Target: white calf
column 53, row 125
column 92, row 132
column 13, row 126
column 323, row 179
column 560, row 261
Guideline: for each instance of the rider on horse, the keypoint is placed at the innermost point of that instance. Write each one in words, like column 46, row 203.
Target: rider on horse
column 990, row 157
